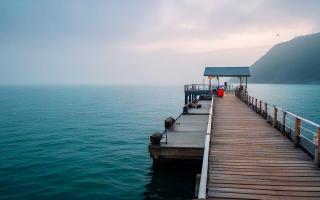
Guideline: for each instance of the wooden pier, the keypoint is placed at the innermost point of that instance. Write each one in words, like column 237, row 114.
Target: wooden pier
column 249, row 149
column 185, row 140
column 249, row 159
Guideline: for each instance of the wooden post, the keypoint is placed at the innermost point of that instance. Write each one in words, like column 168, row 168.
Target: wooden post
column 318, row 147
column 246, row 84
column 275, row 117
column 248, row 100
column 266, row 111
column 297, row 138
column 256, row 105
column 252, row 102
column 284, row 122
column 260, row 107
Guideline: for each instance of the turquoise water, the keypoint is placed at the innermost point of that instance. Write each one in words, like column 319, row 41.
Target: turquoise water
column 90, row 142
column 302, row 100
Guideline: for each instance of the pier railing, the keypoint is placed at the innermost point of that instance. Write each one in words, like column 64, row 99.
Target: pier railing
column 205, row 161
column 165, row 133
column 198, row 87
column 302, row 132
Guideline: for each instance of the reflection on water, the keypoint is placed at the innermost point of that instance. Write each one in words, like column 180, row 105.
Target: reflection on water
column 172, row 181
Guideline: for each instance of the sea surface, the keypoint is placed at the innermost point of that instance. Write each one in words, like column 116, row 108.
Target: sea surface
column 91, row 142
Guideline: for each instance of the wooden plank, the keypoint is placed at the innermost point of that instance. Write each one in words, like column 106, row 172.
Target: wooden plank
column 278, row 174
column 267, row 192
column 267, row 187
column 265, row 182
column 318, row 147
column 254, row 196
column 251, row 160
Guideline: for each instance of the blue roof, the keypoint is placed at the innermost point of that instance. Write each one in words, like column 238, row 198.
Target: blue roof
column 227, row 71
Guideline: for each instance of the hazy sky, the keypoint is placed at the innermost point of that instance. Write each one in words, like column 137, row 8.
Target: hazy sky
column 141, row 42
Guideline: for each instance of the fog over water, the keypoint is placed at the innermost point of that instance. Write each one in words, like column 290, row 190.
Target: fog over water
column 141, row 42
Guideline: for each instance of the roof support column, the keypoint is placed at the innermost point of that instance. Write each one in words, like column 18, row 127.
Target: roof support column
column 246, row 84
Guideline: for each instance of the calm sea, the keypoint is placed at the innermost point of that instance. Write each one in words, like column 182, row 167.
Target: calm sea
column 90, row 142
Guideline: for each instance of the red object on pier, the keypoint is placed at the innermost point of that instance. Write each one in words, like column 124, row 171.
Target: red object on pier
column 220, row 92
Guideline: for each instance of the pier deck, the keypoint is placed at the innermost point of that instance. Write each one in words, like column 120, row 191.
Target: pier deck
column 251, row 160
column 185, row 140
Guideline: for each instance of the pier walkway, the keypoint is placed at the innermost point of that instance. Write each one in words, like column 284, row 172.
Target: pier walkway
column 251, row 160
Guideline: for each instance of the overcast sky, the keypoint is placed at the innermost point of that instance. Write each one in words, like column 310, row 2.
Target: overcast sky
column 141, row 42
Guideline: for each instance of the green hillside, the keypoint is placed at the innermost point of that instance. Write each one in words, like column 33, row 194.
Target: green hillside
column 295, row 61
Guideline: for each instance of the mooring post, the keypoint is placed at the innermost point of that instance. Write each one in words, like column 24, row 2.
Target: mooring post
column 266, row 111
column 275, row 116
column 297, row 131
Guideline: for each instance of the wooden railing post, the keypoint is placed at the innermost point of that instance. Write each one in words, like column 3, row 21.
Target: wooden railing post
column 260, row 108
column 275, row 117
column 248, row 100
column 284, row 122
column 297, row 130
column 318, row 147
column 266, row 111
column 252, row 102
column 256, row 105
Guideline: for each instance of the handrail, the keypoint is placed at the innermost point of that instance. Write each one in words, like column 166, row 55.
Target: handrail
column 165, row 132
column 198, row 87
column 288, row 112
column 205, row 161
column 245, row 97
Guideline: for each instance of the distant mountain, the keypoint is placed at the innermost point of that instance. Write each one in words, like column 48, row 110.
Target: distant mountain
column 295, row 61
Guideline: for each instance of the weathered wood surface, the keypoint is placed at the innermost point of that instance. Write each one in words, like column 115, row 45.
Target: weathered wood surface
column 251, row 160
column 186, row 138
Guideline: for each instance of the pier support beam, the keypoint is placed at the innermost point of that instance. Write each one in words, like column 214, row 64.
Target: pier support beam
column 185, row 99
column 156, row 163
